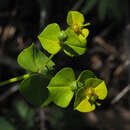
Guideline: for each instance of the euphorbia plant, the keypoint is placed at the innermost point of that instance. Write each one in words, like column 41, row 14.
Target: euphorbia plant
column 41, row 88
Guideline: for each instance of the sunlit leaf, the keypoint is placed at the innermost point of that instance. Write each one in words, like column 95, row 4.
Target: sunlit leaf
column 61, row 96
column 60, row 91
column 33, row 60
column 49, row 38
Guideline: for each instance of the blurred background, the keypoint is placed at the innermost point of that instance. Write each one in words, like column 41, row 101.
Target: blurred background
column 107, row 55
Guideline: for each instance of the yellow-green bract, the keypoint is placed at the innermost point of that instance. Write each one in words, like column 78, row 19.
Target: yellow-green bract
column 76, row 22
column 94, row 88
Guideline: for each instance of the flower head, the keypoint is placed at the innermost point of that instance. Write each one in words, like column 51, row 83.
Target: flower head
column 76, row 22
column 86, row 99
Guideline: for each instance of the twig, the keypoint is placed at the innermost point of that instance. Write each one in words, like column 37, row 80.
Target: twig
column 105, row 45
column 42, row 119
column 9, row 92
column 121, row 94
column 121, row 67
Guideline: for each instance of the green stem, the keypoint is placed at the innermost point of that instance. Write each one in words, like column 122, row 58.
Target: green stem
column 87, row 24
column 15, row 79
column 50, row 57
column 25, row 76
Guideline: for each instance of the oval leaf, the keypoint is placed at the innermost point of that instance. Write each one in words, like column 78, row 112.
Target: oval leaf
column 61, row 96
column 63, row 78
column 34, row 89
column 33, row 60
column 60, row 87
column 49, row 38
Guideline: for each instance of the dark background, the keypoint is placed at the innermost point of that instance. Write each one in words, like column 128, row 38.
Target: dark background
column 107, row 55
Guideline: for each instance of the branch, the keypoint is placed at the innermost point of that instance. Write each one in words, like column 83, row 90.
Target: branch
column 121, row 94
column 9, row 92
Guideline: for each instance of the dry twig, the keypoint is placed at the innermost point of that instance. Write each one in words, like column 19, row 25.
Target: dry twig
column 121, row 94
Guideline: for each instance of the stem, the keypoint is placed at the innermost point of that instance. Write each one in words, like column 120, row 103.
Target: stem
column 25, row 76
column 15, row 79
column 87, row 24
column 50, row 57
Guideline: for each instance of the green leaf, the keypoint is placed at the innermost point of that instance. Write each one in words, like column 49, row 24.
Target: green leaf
column 34, row 89
column 33, row 60
column 61, row 96
column 75, row 17
column 63, row 78
column 5, row 125
column 49, row 38
column 84, row 75
column 73, row 46
column 99, row 85
column 60, row 87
